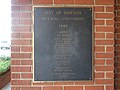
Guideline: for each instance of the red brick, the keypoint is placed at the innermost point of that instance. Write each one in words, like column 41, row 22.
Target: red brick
column 84, row 83
column 99, row 49
column 43, row 83
column 117, row 18
column 25, row 21
column 15, row 88
column 117, row 64
column 117, row 81
column 104, row 15
column 99, row 8
column 15, row 8
column 26, row 62
column 104, row 2
column 19, row 29
column 15, row 75
column 52, row 88
column 116, row 84
column 31, row 88
column 117, row 42
column 25, row 8
column 117, row 69
column 117, row 30
column 42, row 2
column 73, row 88
column 15, row 49
column 27, row 75
column 15, row 62
column 118, row 13
column 21, row 15
column 110, row 62
column 20, row 69
column 104, row 81
column 104, row 29
column 26, row 49
column 110, row 87
column 15, row 35
column 99, row 35
column 19, row 2
column 94, row 88
column 84, row 2
column 117, row 53
column 104, row 42
column 117, row 24
column 109, row 22
column 117, row 87
column 99, row 75
column 64, row 1
column 26, row 35
column 20, row 42
column 117, row 47
column 109, row 9
column 110, row 75
column 104, row 68
column 99, row 62
column 15, row 22
column 117, row 7
column 21, row 55
column 109, row 49
column 118, row 36
column 110, row 35
column 20, row 82
column 117, row 59
column 117, row 75
column 99, row 22
column 104, row 55
column 63, row 83
column 118, row 1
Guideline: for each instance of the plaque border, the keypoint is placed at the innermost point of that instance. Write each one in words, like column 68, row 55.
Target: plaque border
column 93, row 39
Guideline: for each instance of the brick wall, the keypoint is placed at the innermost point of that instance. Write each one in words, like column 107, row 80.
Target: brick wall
column 22, row 48
column 117, row 45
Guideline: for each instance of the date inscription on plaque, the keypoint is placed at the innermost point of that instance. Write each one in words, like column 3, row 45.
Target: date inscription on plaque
column 62, row 44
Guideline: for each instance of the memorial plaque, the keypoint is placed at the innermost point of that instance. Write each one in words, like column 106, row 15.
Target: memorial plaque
column 62, row 44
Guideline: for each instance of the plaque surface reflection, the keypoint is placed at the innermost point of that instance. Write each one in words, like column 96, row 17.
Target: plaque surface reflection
column 62, row 44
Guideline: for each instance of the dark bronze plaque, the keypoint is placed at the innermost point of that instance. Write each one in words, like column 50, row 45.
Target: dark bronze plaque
column 62, row 44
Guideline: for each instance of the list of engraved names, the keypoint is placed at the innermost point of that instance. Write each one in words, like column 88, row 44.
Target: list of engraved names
column 63, row 43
